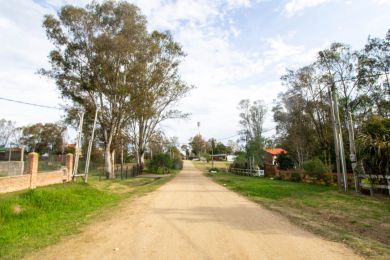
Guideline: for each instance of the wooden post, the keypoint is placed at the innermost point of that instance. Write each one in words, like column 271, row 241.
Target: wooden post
column 32, row 168
column 69, row 165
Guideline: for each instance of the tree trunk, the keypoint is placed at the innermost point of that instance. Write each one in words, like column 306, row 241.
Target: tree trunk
column 113, row 164
column 107, row 163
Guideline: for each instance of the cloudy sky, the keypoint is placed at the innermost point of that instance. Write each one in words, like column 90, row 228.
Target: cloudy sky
column 235, row 49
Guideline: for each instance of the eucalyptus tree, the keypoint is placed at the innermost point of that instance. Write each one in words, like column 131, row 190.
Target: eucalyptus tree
column 43, row 138
column 158, row 89
column 306, row 93
column 374, row 66
column 252, row 116
column 98, row 55
column 294, row 127
column 7, row 130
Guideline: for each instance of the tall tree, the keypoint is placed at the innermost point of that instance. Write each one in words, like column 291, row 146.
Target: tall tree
column 252, row 117
column 374, row 66
column 7, row 130
column 198, row 144
column 43, row 138
column 158, row 89
column 98, row 55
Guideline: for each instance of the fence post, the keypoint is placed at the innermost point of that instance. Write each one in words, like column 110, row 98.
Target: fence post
column 32, row 168
column 69, row 165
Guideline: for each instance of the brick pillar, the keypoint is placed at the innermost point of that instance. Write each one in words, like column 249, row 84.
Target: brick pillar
column 32, row 168
column 69, row 165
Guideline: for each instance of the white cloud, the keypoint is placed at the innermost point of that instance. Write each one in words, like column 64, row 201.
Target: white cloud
column 382, row 2
column 293, row 7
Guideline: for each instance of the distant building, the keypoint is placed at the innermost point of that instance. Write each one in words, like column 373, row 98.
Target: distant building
column 271, row 154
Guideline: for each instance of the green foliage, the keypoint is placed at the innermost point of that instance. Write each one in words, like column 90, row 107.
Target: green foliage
column 206, row 156
column 374, row 145
column 43, row 138
column 284, row 161
column 240, row 161
column 315, row 168
column 177, row 164
column 198, row 144
column 254, row 150
column 296, row 176
column 7, row 130
column 160, row 163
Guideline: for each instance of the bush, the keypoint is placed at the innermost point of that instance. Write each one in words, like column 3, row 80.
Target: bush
column 177, row 164
column 315, row 168
column 284, row 161
column 240, row 162
column 296, row 177
column 160, row 162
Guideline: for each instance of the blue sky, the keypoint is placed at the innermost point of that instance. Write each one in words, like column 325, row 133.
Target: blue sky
column 235, row 49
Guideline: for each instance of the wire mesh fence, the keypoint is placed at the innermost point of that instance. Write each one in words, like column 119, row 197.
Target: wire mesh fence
column 12, row 162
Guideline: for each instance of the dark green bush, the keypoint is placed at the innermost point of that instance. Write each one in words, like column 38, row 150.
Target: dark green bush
column 240, row 162
column 284, row 161
column 296, row 177
column 315, row 168
column 177, row 164
column 160, row 162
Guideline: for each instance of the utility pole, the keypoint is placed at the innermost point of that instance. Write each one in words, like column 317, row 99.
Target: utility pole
column 339, row 148
column 336, row 141
column 86, row 170
column 78, row 147
column 340, row 136
column 212, row 153
column 352, row 150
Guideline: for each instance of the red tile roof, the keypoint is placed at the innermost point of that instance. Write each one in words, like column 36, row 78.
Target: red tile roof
column 275, row 151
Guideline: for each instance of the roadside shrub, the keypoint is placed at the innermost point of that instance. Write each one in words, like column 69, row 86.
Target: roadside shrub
column 315, row 168
column 296, row 177
column 160, row 162
column 177, row 164
column 240, row 162
column 284, row 161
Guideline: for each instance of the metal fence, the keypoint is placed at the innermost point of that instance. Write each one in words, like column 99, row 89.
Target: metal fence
column 247, row 172
column 12, row 162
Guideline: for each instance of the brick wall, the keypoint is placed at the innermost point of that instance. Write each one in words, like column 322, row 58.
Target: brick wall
column 34, row 179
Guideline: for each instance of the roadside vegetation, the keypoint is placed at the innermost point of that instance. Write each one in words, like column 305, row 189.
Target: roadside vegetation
column 33, row 219
column 359, row 221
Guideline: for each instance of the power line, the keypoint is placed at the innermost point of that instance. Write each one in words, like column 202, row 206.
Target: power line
column 30, row 104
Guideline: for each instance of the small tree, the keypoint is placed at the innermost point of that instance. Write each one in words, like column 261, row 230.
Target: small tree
column 284, row 161
column 374, row 146
column 7, row 130
column 315, row 168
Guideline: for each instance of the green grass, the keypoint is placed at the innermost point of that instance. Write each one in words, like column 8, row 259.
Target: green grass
column 361, row 222
column 33, row 219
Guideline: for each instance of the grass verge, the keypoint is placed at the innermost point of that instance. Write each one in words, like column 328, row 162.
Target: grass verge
column 361, row 222
column 33, row 219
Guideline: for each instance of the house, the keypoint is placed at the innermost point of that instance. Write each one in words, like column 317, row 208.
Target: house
column 271, row 154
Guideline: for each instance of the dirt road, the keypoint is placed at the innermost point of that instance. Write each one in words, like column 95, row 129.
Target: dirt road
column 192, row 217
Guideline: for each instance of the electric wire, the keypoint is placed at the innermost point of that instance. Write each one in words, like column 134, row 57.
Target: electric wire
column 30, row 104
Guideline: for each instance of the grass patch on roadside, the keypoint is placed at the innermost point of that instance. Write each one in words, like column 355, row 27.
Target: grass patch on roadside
column 33, row 219
column 361, row 222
